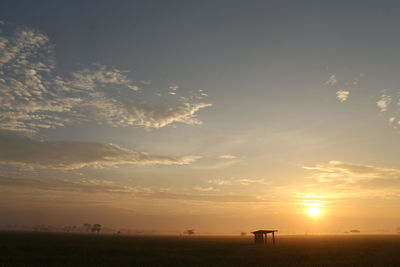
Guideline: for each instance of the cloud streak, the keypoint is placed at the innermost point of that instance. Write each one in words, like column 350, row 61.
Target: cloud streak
column 227, row 156
column 84, row 185
column 339, row 179
column 23, row 151
column 238, row 181
column 341, row 169
column 109, row 187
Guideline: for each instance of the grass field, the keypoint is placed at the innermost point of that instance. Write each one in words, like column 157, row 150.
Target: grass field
column 51, row 249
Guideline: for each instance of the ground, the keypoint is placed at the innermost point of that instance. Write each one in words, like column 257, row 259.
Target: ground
column 51, row 249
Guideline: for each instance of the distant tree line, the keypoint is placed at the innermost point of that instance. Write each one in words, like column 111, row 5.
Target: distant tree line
column 95, row 228
column 189, row 232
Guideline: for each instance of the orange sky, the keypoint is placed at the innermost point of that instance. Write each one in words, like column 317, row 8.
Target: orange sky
column 223, row 117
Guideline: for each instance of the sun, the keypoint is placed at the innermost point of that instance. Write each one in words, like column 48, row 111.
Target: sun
column 314, row 211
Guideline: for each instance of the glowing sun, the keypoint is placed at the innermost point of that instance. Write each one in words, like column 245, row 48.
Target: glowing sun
column 314, row 211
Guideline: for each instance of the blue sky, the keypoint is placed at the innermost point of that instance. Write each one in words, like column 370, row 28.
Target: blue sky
column 174, row 107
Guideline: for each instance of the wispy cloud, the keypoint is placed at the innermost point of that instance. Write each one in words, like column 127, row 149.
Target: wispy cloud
column 157, row 116
column 146, row 82
column 227, row 156
column 352, row 170
column 219, row 165
column 220, row 182
column 388, row 101
column 238, row 181
column 20, row 150
column 251, row 181
column 342, row 95
column 390, row 104
column 34, row 97
column 234, row 198
column 384, row 102
column 173, row 86
column 331, row 80
column 54, row 184
column 109, row 187
column 343, row 180
column 204, row 189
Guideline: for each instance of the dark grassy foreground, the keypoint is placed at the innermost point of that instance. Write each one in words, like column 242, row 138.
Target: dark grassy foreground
column 41, row 249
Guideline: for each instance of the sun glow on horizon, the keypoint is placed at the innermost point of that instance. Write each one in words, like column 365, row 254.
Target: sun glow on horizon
column 314, row 211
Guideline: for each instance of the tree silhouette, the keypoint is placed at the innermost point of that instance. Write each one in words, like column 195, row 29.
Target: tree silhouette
column 96, row 228
column 189, row 232
column 87, row 226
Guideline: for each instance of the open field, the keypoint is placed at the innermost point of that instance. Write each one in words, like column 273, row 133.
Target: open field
column 50, row 249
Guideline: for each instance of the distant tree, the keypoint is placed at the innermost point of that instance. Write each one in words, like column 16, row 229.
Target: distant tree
column 189, row 232
column 355, row 231
column 243, row 233
column 96, row 228
column 87, row 227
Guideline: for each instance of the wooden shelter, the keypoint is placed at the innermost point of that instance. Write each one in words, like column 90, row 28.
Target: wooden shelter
column 260, row 236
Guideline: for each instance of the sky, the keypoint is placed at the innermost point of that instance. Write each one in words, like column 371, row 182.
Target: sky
column 219, row 116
